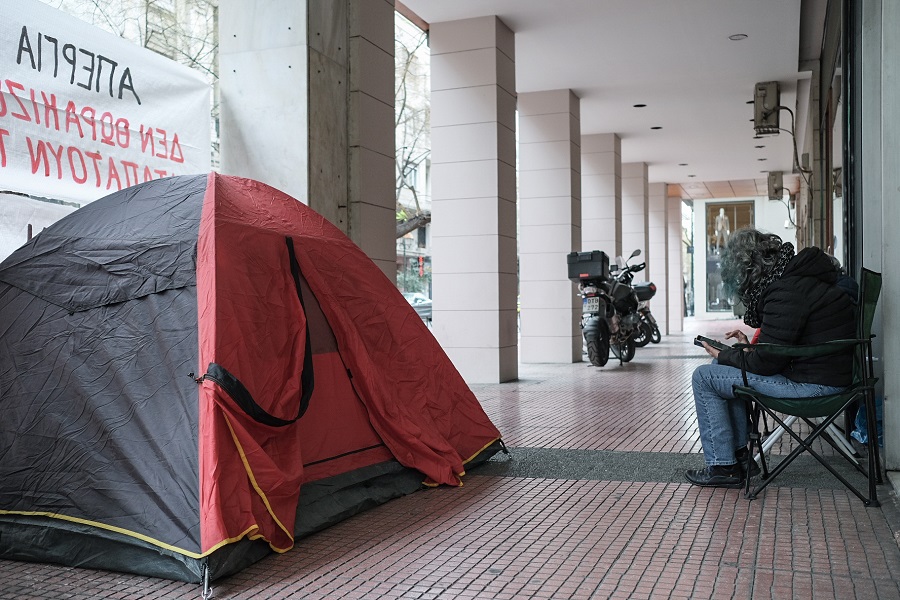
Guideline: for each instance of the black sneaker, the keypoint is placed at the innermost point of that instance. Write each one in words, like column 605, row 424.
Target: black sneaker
column 741, row 455
column 725, row 476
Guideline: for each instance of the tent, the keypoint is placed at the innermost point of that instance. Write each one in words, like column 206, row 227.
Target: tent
column 198, row 370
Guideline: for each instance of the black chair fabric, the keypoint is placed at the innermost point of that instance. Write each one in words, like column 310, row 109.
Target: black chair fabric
column 827, row 408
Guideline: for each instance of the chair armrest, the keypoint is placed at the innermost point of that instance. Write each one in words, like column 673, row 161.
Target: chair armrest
column 811, row 350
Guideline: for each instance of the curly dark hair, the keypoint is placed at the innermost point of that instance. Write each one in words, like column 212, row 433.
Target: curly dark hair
column 748, row 256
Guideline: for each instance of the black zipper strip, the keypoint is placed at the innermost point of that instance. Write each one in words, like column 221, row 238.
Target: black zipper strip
column 330, row 458
column 236, row 390
column 242, row 397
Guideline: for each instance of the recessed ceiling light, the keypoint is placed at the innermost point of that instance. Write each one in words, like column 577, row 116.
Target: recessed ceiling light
column 640, row 105
column 760, row 159
column 691, row 175
column 737, row 37
column 682, row 164
column 656, row 127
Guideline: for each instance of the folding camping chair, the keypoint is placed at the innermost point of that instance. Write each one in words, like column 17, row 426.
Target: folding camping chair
column 821, row 411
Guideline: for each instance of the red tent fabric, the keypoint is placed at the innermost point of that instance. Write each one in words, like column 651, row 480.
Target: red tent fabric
column 414, row 398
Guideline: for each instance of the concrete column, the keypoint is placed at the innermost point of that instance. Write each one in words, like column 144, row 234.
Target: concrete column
column 473, row 119
column 634, row 208
column 601, row 205
column 371, row 138
column 675, row 268
column 890, row 206
column 657, row 255
column 306, row 94
column 549, row 224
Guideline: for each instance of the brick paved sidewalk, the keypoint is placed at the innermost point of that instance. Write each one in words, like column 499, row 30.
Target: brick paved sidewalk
column 591, row 504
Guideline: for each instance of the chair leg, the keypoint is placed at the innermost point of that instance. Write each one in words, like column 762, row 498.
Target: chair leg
column 755, row 439
column 805, row 445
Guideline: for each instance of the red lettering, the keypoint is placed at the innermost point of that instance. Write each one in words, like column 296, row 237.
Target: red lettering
column 38, row 155
column 95, row 156
column 176, row 155
column 113, row 174
column 50, row 110
column 37, row 111
column 57, row 154
column 148, row 174
column 106, row 137
column 90, row 121
column 72, row 118
column 130, row 169
column 12, row 86
column 2, row 104
column 146, row 139
column 72, row 152
column 123, row 133
column 162, row 142
column 2, row 146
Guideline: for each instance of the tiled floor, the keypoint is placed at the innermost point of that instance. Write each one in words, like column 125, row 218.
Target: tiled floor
column 591, row 504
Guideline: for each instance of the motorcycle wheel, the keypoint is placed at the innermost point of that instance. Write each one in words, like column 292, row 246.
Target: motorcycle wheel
column 628, row 349
column 655, row 335
column 642, row 335
column 598, row 348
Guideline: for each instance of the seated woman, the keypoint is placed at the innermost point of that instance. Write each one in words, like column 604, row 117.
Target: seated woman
column 793, row 300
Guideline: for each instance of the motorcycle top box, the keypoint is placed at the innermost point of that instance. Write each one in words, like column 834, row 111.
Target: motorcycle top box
column 588, row 265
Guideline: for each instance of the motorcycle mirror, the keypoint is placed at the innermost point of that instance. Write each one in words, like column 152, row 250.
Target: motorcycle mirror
column 635, row 253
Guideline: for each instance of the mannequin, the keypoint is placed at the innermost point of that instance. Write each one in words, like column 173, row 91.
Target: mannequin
column 723, row 229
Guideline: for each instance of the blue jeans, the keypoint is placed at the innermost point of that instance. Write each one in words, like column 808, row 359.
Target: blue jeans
column 722, row 419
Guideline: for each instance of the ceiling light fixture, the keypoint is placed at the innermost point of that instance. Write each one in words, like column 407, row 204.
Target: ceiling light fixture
column 691, row 175
column 682, row 164
column 656, row 127
column 759, row 146
column 737, row 37
column 760, row 159
column 640, row 105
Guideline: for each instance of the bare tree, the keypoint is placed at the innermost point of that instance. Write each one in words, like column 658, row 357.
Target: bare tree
column 184, row 30
column 413, row 128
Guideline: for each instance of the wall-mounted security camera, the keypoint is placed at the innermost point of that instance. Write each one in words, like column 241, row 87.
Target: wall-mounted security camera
column 766, row 103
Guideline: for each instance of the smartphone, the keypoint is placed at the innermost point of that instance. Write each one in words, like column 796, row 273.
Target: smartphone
column 714, row 343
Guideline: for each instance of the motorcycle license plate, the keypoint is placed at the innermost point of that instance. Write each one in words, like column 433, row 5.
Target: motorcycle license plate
column 591, row 304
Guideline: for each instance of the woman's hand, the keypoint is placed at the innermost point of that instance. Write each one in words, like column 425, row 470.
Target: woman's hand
column 710, row 350
column 738, row 335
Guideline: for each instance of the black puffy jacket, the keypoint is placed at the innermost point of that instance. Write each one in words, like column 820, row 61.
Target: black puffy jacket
column 804, row 306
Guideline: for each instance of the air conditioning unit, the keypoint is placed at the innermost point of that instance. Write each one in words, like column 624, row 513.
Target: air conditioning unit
column 776, row 185
column 766, row 103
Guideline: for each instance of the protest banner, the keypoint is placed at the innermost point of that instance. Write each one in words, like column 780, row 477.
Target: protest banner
column 84, row 113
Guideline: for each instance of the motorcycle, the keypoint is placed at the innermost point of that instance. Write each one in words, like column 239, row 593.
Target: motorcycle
column 647, row 330
column 609, row 308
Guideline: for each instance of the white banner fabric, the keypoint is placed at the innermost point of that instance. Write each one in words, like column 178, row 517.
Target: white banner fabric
column 84, row 113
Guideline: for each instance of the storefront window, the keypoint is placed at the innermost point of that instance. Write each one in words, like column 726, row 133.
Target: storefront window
column 722, row 219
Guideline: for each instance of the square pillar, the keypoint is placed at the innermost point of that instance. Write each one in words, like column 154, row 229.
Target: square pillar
column 674, row 298
column 370, row 177
column 473, row 125
column 307, row 106
column 601, row 192
column 634, row 208
column 657, row 256
column 549, row 224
